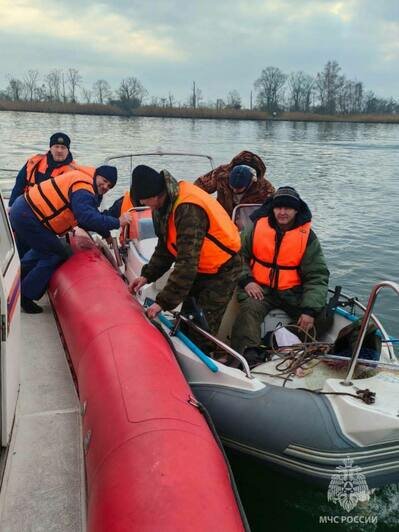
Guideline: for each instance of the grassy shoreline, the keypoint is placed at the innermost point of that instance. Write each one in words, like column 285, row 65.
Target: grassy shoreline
column 174, row 112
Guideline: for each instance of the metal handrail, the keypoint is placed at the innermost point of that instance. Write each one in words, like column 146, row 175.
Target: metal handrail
column 377, row 322
column 365, row 322
column 219, row 343
column 159, row 153
column 115, row 249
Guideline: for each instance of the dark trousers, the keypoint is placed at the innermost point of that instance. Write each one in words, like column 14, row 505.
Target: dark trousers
column 212, row 294
column 246, row 330
column 45, row 254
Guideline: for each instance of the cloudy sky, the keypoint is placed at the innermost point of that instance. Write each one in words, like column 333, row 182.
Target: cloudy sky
column 221, row 44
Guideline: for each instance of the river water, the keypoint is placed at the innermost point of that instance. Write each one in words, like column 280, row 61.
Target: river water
column 347, row 173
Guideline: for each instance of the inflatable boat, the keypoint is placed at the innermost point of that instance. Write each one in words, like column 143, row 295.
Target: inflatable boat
column 152, row 462
column 306, row 422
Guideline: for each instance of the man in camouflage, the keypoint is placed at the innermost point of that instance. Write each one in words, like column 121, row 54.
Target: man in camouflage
column 240, row 181
column 212, row 292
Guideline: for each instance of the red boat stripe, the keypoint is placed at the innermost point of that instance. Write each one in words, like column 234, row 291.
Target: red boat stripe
column 12, row 299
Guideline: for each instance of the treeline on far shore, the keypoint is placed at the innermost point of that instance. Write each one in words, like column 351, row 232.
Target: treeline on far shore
column 187, row 112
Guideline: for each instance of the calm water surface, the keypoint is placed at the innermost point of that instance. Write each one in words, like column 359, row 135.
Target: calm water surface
column 348, row 174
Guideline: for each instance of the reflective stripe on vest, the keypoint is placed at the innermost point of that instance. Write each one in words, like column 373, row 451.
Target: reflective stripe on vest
column 278, row 268
column 50, row 200
column 38, row 163
column 222, row 241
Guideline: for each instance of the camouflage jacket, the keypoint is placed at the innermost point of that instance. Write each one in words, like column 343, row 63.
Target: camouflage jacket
column 191, row 226
column 217, row 180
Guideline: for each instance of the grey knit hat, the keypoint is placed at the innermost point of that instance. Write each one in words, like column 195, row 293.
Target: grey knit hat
column 286, row 197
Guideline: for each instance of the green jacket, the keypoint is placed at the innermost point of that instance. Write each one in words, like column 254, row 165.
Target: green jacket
column 312, row 294
column 191, row 226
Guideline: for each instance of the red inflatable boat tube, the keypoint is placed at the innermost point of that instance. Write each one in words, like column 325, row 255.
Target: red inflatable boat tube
column 152, row 463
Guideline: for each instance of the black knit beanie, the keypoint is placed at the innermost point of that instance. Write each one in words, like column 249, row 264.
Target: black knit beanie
column 286, row 197
column 109, row 172
column 147, row 182
column 60, row 138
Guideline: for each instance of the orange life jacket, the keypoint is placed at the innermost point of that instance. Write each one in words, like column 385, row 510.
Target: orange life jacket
column 131, row 230
column 38, row 163
column 126, row 203
column 222, row 239
column 278, row 268
column 50, row 200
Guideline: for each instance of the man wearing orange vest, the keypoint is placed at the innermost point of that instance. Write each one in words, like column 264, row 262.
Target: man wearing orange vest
column 42, row 166
column 195, row 233
column 284, row 267
column 49, row 210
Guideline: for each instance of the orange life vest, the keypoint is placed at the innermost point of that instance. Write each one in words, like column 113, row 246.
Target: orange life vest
column 50, row 200
column 126, row 203
column 278, row 270
column 222, row 239
column 131, row 230
column 38, row 163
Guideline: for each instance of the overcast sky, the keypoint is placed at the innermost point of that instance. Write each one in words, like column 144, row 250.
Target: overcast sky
column 221, row 44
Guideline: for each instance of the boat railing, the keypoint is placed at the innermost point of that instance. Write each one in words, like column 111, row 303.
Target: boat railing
column 364, row 325
column 157, row 153
column 219, row 343
column 354, row 302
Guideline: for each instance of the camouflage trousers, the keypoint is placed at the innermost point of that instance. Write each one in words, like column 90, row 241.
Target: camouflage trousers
column 212, row 294
column 246, row 330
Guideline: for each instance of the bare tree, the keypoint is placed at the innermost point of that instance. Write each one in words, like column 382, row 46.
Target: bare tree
column 41, row 93
column 102, row 91
column 350, row 98
column 233, row 100
column 131, row 92
column 270, row 88
column 14, row 89
column 86, row 94
column 301, row 87
column 329, row 84
column 74, row 80
column 171, row 100
column 30, row 82
column 53, row 82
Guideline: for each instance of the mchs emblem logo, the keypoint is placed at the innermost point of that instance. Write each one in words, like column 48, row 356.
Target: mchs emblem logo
column 348, row 486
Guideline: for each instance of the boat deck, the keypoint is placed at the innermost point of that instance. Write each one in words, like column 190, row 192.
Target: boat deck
column 43, row 485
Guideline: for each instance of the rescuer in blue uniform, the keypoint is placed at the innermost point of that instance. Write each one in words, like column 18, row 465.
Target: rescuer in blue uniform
column 49, row 210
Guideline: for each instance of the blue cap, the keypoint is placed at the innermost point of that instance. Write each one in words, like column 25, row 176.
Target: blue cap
column 241, row 176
